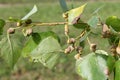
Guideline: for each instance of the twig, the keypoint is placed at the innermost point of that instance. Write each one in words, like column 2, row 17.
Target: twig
column 81, row 34
column 48, row 24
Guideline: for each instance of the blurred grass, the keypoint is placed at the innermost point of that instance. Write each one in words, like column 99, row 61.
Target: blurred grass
column 51, row 12
column 46, row 1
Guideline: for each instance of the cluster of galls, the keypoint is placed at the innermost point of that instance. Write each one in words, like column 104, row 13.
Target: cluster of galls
column 115, row 49
column 72, row 48
column 113, row 40
column 79, row 50
column 28, row 31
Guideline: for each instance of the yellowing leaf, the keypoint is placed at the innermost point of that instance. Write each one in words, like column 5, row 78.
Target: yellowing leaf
column 74, row 14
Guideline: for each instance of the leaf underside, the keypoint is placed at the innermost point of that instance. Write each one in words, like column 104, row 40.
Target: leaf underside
column 47, row 52
column 11, row 48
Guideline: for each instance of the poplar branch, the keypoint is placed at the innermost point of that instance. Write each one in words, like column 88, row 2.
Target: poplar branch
column 48, row 24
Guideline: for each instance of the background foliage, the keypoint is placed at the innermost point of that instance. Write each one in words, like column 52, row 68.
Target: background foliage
column 25, row 70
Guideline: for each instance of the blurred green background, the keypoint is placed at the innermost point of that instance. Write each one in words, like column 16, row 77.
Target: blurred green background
column 50, row 11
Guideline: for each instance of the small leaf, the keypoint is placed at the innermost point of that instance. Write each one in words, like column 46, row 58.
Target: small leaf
column 93, row 22
column 114, row 22
column 2, row 23
column 34, row 40
column 63, row 5
column 94, row 65
column 117, row 70
column 11, row 48
column 74, row 14
column 33, row 11
column 47, row 52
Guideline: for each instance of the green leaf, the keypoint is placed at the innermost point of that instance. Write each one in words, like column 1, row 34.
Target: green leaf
column 113, row 40
column 47, row 52
column 2, row 23
column 63, row 5
column 94, row 65
column 110, row 63
column 33, row 11
column 74, row 14
column 114, row 22
column 82, row 44
column 34, row 40
column 112, row 30
column 93, row 22
column 106, row 60
column 31, row 44
column 89, row 68
column 11, row 48
column 117, row 70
